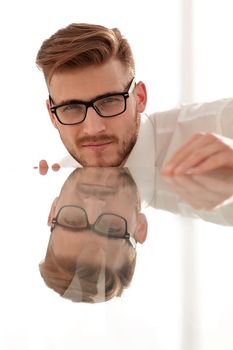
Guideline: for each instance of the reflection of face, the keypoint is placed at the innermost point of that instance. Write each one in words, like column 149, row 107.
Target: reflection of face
column 97, row 191
column 97, row 141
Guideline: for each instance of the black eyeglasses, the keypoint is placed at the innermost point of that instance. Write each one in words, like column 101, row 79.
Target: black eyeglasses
column 109, row 225
column 106, row 106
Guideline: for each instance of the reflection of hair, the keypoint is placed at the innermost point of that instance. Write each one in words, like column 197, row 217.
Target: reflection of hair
column 60, row 275
column 82, row 45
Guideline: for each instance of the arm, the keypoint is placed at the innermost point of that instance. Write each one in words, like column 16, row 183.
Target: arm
column 202, row 139
column 203, row 152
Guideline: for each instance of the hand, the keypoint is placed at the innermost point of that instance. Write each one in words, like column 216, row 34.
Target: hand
column 204, row 192
column 203, row 152
column 43, row 167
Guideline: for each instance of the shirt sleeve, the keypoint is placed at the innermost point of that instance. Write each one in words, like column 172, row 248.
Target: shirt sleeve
column 175, row 127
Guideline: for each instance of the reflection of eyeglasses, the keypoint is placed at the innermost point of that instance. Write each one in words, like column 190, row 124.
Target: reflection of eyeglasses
column 109, row 225
column 109, row 105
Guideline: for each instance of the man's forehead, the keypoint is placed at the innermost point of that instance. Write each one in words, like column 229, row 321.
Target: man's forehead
column 88, row 83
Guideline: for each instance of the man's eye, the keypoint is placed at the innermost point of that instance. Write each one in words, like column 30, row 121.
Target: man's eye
column 114, row 229
column 72, row 107
column 111, row 99
column 74, row 222
column 70, row 222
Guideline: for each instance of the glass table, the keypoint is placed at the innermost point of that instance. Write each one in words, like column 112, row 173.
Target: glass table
column 107, row 258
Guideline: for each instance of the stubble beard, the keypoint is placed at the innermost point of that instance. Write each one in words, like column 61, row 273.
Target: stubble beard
column 124, row 148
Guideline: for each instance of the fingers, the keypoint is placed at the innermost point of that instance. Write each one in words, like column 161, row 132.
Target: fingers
column 194, row 192
column 215, row 184
column 186, row 150
column 201, row 153
column 218, row 160
column 56, row 167
column 43, row 167
column 221, row 180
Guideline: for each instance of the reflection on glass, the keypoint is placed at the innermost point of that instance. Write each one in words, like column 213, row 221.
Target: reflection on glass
column 109, row 225
column 204, row 192
column 95, row 224
column 208, row 196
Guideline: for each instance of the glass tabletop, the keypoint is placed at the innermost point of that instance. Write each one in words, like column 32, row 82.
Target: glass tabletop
column 101, row 258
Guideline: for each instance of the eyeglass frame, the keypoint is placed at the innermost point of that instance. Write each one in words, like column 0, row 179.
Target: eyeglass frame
column 91, row 103
column 127, row 236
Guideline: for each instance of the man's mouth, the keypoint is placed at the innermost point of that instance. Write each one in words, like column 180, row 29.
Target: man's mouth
column 96, row 145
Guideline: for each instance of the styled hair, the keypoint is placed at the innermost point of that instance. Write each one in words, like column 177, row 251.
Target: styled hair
column 58, row 275
column 80, row 45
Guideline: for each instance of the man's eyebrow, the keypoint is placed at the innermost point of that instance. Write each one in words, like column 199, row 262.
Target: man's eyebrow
column 64, row 102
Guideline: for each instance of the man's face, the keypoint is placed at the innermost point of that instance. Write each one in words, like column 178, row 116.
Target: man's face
column 98, row 141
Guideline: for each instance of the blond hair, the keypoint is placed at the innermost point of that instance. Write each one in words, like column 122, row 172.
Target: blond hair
column 81, row 45
column 58, row 275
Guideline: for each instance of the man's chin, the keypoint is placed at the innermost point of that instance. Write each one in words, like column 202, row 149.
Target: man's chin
column 109, row 157
column 100, row 163
column 87, row 161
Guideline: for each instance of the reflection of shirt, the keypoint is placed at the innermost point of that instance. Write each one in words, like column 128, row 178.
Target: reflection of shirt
column 161, row 134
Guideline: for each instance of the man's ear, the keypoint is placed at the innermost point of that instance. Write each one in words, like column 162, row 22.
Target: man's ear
column 52, row 211
column 141, row 96
column 141, row 232
column 52, row 117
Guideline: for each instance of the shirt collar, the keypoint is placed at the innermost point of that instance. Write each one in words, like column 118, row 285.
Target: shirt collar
column 143, row 152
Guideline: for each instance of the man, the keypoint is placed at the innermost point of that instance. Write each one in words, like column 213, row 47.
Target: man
column 95, row 224
column 97, row 106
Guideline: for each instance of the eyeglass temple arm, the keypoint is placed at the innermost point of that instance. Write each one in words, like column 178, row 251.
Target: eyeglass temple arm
column 50, row 101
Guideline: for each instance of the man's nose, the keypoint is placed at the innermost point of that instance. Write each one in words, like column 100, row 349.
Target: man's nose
column 94, row 206
column 93, row 123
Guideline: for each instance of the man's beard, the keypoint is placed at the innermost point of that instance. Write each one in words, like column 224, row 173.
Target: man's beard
column 122, row 154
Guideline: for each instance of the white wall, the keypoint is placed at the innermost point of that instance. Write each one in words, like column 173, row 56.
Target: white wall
column 213, row 50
